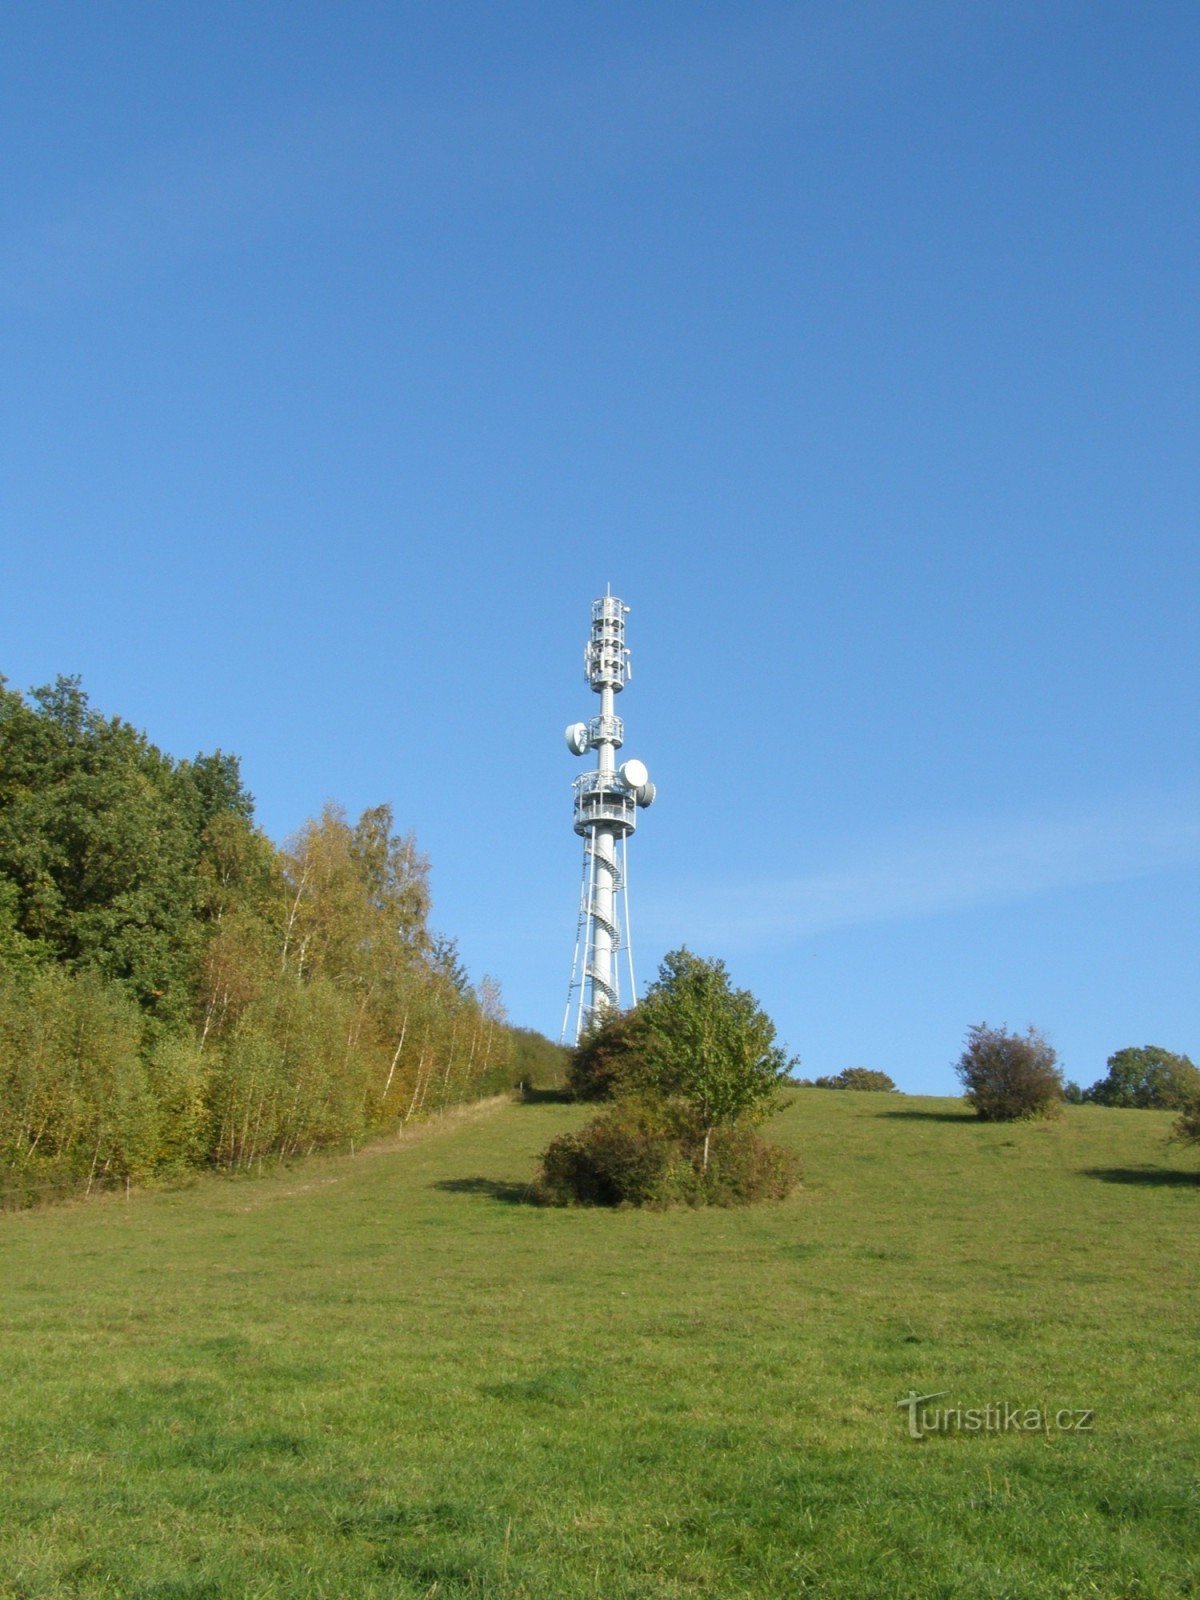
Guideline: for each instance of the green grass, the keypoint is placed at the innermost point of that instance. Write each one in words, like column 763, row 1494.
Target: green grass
column 386, row 1376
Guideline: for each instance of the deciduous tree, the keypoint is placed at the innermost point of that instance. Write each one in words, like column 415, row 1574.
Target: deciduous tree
column 1148, row 1077
column 1008, row 1077
column 708, row 1044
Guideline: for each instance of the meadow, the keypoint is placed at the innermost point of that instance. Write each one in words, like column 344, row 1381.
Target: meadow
column 389, row 1375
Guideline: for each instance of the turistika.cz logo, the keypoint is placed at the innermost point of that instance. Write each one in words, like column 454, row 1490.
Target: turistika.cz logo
column 998, row 1416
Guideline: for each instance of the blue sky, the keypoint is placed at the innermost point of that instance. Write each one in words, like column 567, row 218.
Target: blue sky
column 350, row 350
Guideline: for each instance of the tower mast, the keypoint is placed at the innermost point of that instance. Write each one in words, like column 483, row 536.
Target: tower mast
column 607, row 800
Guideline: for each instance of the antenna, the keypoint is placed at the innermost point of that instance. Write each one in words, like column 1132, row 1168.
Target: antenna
column 607, row 800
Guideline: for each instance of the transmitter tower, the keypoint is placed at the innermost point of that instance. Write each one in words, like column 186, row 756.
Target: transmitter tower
column 607, row 800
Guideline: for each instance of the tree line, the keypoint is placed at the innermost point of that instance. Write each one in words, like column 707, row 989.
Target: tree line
column 177, row 991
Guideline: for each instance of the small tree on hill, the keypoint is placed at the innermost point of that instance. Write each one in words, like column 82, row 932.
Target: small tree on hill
column 690, row 1071
column 1008, row 1077
column 708, row 1045
column 1147, row 1078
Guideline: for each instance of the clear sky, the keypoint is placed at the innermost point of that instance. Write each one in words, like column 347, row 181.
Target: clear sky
column 349, row 350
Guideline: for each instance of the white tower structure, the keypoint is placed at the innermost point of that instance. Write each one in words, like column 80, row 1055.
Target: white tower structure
column 606, row 805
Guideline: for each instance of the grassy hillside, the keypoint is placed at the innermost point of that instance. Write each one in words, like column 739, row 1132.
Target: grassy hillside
column 386, row 1376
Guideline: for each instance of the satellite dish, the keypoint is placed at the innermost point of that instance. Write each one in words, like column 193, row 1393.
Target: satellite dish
column 634, row 774
column 645, row 795
column 577, row 738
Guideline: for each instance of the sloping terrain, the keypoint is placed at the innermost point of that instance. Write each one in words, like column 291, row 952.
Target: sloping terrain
column 388, row 1376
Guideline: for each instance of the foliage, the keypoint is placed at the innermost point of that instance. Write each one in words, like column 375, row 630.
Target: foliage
column 744, row 1168
column 708, row 1045
column 175, row 990
column 1008, row 1077
column 696, row 1057
column 75, row 1104
column 655, row 1153
column 1187, row 1124
column 856, row 1078
column 104, row 843
column 608, row 1056
column 624, row 1158
column 1149, row 1078
column 537, row 1062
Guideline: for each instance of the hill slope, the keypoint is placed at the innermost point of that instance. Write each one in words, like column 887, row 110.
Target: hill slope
column 387, row 1376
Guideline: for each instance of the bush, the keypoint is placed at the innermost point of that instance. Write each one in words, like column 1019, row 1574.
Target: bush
column 1009, row 1077
column 76, row 1110
column 743, row 1168
column 177, row 1074
column 856, row 1078
column 1147, row 1078
column 641, row 1155
column 624, row 1158
column 1187, row 1124
column 607, row 1057
column 691, row 1071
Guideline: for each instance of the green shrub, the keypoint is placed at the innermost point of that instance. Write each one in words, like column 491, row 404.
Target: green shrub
column 1010, row 1077
column 645, row 1155
column 75, row 1106
column 625, row 1158
column 743, row 1168
column 709, row 1044
column 856, row 1078
column 691, row 1071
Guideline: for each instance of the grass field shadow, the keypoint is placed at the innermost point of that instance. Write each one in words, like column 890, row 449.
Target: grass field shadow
column 511, row 1194
column 934, row 1116
column 546, row 1097
column 1152, row 1177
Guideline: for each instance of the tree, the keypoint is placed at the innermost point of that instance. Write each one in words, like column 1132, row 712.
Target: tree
column 1148, row 1077
column 175, row 989
column 1009, row 1077
column 709, row 1045
column 857, row 1078
column 538, row 1062
column 445, row 960
column 608, row 1055
column 103, row 839
column 690, row 1072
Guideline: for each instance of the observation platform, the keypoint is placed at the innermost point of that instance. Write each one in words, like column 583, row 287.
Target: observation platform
column 601, row 799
